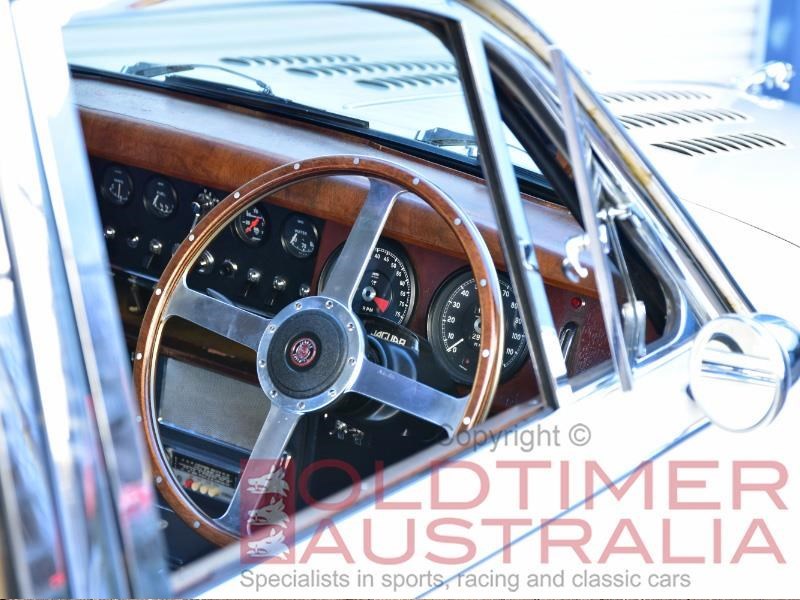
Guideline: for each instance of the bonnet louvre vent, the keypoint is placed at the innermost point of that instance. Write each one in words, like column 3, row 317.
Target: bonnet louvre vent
column 653, row 96
column 681, row 117
column 720, row 143
column 409, row 81
column 291, row 60
column 390, row 68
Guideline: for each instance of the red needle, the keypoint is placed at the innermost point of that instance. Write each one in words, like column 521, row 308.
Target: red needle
column 253, row 223
column 381, row 303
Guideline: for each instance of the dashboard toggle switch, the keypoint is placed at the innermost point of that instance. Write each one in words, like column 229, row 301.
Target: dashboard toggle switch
column 253, row 279
column 154, row 248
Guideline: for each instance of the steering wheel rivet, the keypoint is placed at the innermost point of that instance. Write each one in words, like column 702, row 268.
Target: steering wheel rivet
column 457, row 221
column 158, row 292
column 196, row 524
column 483, row 283
column 329, row 304
column 159, row 479
column 467, row 420
column 296, row 166
column 138, row 356
column 191, row 237
column 415, row 181
column 485, row 354
column 236, row 194
column 356, row 160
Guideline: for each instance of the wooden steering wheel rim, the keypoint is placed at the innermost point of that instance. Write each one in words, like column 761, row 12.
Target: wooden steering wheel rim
column 145, row 357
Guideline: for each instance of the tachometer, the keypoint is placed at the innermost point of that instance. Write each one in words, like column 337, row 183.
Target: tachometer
column 388, row 288
column 454, row 328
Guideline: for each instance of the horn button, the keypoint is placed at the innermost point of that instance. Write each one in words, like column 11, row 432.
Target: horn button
column 310, row 354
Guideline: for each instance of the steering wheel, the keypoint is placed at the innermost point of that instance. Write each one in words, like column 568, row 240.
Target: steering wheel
column 313, row 351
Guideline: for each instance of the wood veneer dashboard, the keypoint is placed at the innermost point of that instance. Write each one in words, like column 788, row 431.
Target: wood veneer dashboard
column 222, row 146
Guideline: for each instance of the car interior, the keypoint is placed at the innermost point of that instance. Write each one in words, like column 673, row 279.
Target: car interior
column 167, row 145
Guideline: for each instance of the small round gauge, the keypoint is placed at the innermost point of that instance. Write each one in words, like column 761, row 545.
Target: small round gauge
column 388, row 288
column 160, row 198
column 299, row 236
column 454, row 327
column 252, row 226
column 117, row 185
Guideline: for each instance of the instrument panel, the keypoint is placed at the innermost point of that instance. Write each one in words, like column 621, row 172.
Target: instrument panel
column 263, row 261
column 270, row 256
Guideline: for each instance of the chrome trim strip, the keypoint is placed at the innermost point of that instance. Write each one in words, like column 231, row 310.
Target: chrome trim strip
column 516, row 240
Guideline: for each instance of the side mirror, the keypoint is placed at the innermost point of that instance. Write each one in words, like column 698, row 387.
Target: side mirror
column 742, row 367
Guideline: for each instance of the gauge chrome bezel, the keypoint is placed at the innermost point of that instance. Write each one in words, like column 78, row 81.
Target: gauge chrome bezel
column 148, row 206
column 288, row 248
column 107, row 195
column 242, row 236
column 433, row 321
column 400, row 252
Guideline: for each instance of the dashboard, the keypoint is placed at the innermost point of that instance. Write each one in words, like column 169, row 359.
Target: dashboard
column 161, row 161
column 270, row 256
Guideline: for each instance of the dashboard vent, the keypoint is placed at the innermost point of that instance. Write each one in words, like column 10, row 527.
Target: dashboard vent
column 720, row 143
column 291, row 59
column 409, row 81
column 680, row 117
column 653, row 96
column 414, row 67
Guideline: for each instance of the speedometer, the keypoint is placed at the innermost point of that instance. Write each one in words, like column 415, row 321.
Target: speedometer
column 454, row 328
column 388, row 288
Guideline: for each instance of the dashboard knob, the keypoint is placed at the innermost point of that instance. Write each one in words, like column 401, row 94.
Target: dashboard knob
column 109, row 233
column 229, row 268
column 304, row 290
column 155, row 246
column 279, row 283
column 253, row 275
column 206, row 263
column 133, row 241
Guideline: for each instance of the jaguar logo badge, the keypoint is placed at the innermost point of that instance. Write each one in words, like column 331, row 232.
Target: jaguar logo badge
column 303, row 352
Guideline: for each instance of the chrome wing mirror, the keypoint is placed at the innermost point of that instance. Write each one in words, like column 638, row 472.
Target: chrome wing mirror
column 742, row 367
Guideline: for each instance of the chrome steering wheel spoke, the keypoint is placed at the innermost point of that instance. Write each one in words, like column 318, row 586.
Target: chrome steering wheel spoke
column 262, row 468
column 346, row 274
column 229, row 321
column 409, row 396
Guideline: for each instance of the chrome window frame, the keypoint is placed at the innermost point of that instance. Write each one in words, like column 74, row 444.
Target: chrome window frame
column 70, row 343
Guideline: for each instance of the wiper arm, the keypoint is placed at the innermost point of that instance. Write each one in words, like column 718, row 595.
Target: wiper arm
column 149, row 70
column 224, row 92
column 443, row 137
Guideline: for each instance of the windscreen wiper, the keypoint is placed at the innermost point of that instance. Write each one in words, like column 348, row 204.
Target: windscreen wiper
column 441, row 137
column 226, row 92
column 146, row 69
